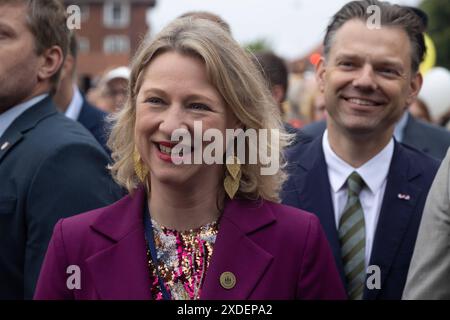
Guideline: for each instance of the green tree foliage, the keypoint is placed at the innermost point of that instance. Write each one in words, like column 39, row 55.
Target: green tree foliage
column 258, row 45
column 438, row 12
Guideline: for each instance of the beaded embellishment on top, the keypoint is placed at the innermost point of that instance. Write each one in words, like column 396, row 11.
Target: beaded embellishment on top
column 183, row 259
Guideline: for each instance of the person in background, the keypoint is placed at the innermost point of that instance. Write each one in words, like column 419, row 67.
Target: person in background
column 192, row 231
column 419, row 111
column 69, row 100
column 315, row 106
column 110, row 93
column 275, row 71
column 429, row 271
column 367, row 189
column 301, row 86
column 50, row 166
column 435, row 94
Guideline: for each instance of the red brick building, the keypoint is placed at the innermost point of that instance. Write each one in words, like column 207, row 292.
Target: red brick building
column 110, row 32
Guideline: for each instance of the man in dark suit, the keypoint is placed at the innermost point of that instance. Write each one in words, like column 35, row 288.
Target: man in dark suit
column 73, row 104
column 426, row 137
column 367, row 190
column 50, row 166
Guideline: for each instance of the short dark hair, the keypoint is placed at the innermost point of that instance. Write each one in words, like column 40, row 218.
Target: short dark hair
column 391, row 15
column 208, row 16
column 273, row 68
column 421, row 14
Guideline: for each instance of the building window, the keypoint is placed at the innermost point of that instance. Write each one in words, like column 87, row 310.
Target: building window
column 116, row 14
column 116, row 44
column 83, row 44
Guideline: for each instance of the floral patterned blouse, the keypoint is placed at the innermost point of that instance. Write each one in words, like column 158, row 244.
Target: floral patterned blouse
column 183, row 259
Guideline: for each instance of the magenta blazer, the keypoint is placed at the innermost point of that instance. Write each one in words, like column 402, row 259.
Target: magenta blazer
column 274, row 251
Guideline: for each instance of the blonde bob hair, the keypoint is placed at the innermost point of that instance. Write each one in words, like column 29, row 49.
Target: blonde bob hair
column 237, row 79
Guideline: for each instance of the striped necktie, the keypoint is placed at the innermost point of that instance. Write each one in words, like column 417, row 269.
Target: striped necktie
column 352, row 236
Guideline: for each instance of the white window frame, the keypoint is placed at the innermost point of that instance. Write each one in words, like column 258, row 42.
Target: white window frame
column 108, row 15
column 114, row 44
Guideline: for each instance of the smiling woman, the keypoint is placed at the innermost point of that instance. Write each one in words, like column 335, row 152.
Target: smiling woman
column 191, row 231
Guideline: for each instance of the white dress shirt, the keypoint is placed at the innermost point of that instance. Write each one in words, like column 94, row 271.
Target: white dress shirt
column 74, row 108
column 8, row 117
column 374, row 173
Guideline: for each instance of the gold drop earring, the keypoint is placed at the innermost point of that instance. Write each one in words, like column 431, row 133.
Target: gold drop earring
column 139, row 168
column 233, row 176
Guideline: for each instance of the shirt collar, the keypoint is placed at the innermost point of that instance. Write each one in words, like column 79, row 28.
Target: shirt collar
column 74, row 109
column 374, row 172
column 8, row 117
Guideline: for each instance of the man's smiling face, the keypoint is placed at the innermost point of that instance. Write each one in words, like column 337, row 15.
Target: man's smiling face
column 367, row 78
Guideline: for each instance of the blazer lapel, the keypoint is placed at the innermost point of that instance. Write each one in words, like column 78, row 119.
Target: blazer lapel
column 120, row 271
column 395, row 214
column 25, row 122
column 314, row 191
column 235, row 252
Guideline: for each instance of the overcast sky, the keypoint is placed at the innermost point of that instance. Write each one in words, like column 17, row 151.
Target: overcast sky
column 292, row 27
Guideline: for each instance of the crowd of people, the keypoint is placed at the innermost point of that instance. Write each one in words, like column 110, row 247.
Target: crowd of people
column 94, row 203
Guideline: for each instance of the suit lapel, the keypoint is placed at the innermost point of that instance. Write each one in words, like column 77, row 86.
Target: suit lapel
column 8, row 141
column 235, row 252
column 314, row 192
column 120, row 271
column 395, row 214
column 25, row 122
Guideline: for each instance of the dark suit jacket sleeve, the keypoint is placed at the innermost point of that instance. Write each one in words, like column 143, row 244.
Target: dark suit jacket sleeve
column 319, row 278
column 56, row 192
column 52, row 284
